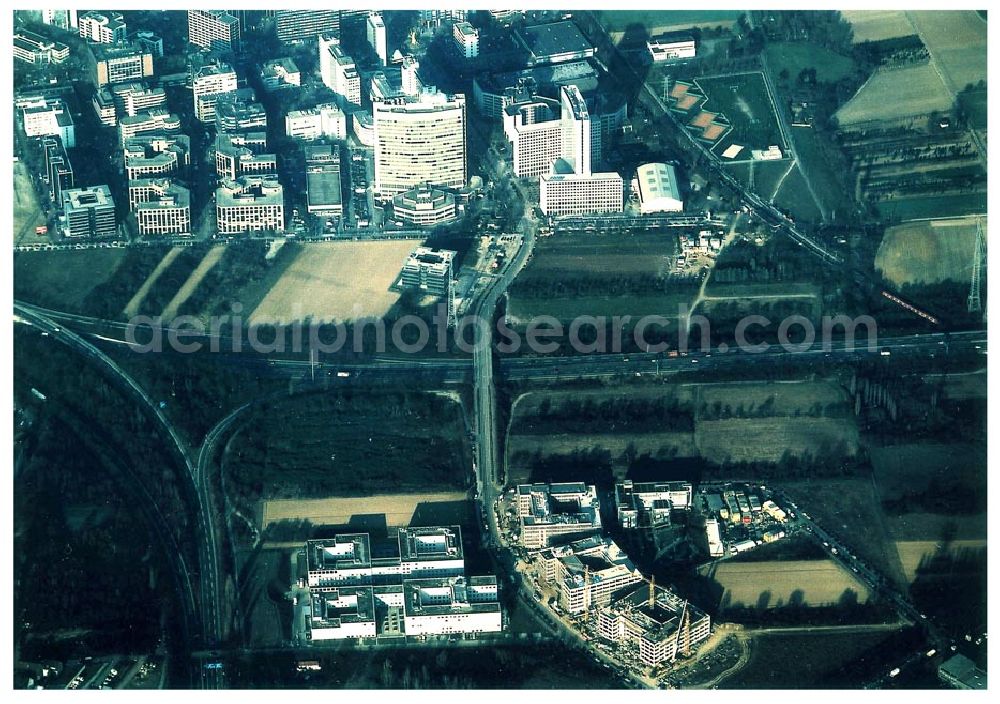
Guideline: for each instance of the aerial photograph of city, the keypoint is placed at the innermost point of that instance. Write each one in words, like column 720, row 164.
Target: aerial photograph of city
column 451, row 349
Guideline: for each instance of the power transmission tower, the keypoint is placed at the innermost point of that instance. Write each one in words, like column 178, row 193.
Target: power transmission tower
column 975, row 303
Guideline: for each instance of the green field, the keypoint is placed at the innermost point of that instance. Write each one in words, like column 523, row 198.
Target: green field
column 796, row 197
column 903, row 209
column 652, row 20
column 63, row 280
column 974, row 103
column 825, row 172
column 794, row 57
column 746, row 103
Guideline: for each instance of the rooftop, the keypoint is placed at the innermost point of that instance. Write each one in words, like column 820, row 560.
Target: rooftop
column 579, row 73
column 332, row 607
column 342, row 552
column 658, row 620
column 450, row 595
column 430, row 544
column 89, row 197
column 551, row 40
column 169, row 193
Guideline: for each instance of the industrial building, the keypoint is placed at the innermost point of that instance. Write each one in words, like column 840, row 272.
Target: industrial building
column 424, row 205
column 548, row 513
column 419, row 139
column 207, row 85
column 161, row 206
column 280, row 73
column 553, row 43
column 339, row 72
column 466, row 39
column 214, row 29
column 375, row 29
column 43, row 116
column 428, row 270
column 243, row 153
column 102, row 28
column 658, row 189
column 35, row 49
column 323, row 121
column 650, row 504
column 157, row 120
column 586, row 574
column 666, row 47
column 156, row 155
column 323, row 187
column 88, row 212
column 254, row 203
column 654, row 622
column 120, row 64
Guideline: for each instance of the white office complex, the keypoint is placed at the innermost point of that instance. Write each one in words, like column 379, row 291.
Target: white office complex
column 126, row 100
column 42, row 116
column 280, row 73
column 466, row 39
column 550, row 513
column 102, row 28
column 243, row 153
column 649, row 504
column 713, row 538
column 88, row 212
column 339, row 72
column 375, row 27
column 416, row 587
column 657, row 629
column 321, row 121
column 207, row 85
column 214, row 29
column 254, row 203
column 160, row 206
column 158, row 120
column 581, row 194
column 409, row 81
column 665, row 47
column 658, row 189
column 424, row 205
column 35, row 49
column 156, row 155
column 586, row 574
column 419, row 140
column 428, row 270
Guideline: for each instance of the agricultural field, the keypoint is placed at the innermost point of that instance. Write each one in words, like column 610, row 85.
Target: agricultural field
column 27, row 213
column 903, row 209
column 189, row 286
column 876, row 25
column 658, row 21
column 957, row 43
column 795, row 57
column 748, row 105
column 336, row 281
column 398, row 509
column 766, row 585
column 337, row 444
column 928, row 251
column 888, row 95
column 63, row 280
column 132, row 307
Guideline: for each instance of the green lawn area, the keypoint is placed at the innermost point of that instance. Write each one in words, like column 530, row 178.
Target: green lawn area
column 767, row 175
column 794, row 57
column 619, row 20
column 821, row 167
column 794, row 195
column 746, row 103
column 904, row 209
column 62, row 280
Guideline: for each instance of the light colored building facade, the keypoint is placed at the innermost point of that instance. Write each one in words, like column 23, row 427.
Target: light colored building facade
column 658, row 189
column 323, row 121
column 375, row 28
column 42, row 116
column 451, row 605
column 208, row 84
column 214, row 29
column 424, row 206
column 298, row 25
column 88, row 212
column 466, row 39
column 649, row 504
column 428, row 270
column 253, row 203
column 410, row 82
column 243, row 153
column 114, row 64
column 280, row 73
column 35, row 49
column 588, row 573
column 339, row 72
column 550, row 513
column 419, row 140
column 338, row 613
column 102, row 28
column 239, row 111
column 323, row 186
column 156, row 155
column 158, row 120
column 161, row 207
column 579, row 194
column 671, row 46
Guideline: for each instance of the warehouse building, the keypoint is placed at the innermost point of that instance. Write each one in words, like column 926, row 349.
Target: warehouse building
column 666, row 47
column 553, row 43
column 549, row 513
column 658, row 189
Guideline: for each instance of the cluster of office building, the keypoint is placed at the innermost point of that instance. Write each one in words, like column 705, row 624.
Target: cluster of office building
column 412, row 583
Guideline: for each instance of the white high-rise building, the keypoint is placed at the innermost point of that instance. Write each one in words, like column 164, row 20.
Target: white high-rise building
column 538, row 138
column 579, row 194
column 376, row 36
column 214, row 29
column 102, row 28
column 339, row 72
column 408, row 74
column 466, row 38
column 208, row 85
column 421, row 140
column 576, row 132
column 321, row 121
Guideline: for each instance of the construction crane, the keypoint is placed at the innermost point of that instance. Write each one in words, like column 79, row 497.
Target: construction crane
column 975, row 302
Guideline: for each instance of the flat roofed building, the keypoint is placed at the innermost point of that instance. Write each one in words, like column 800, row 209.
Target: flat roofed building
column 149, row 41
column 161, row 206
column 548, row 513
column 337, row 613
column 214, row 29
column 342, row 559
column 88, row 212
column 102, row 28
column 419, row 140
column 208, row 84
column 243, row 153
column 280, row 73
column 649, row 504
column 158, row 120
column 58, row 169
column 553, row 43
column 323, row 121
column 489, row 89
column 35, row 49
column 376, row 36
column 364, row 128
column 296, row 25
column 960, row 672
column 339, row 72
column 431, row 552
column 580, row 194
column 466, row 39
column 424, row 205
column 251, row 203
column 428, row 270
column 44, row 116
column 665, row 47
column 156, row 155
column 120, row 64
column 323, row 186
column 588, row 573
column 660, row 629
column 134, row 97
column 451, row 605
column 239, row 111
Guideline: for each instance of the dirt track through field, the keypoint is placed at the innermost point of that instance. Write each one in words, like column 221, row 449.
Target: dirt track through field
column 132, row 307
